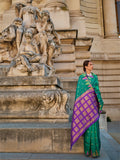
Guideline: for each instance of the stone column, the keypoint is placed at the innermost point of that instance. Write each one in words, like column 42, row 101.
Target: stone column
column 110, row 18
column 59, row 13
column 4, row 5
column 77, row 20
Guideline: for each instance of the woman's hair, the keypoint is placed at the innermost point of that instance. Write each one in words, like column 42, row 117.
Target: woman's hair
column 85, row 63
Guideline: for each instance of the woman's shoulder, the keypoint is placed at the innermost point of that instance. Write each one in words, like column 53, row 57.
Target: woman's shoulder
column 94, row 75
column 82, row 75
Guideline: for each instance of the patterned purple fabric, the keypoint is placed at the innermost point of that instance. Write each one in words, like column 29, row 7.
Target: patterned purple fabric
column 85, row 113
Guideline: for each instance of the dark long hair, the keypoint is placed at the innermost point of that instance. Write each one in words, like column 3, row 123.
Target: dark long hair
column 85, row 63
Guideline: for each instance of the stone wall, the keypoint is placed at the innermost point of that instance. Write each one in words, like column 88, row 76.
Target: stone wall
column 92, row 10
column 105, row 54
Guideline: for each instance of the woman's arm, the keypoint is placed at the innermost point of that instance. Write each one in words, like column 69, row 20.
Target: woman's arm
column 98, row 93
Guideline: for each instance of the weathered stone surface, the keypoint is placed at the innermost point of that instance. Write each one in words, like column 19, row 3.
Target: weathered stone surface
column 65, row 58
column 38, row 138
column 79, row 23
column 66, row 48
column 4, row 5
column 106, row 46
column 29, row 81
column 19, row 101
column 110, row 22
column 65, row 34
column 60, row 18
column 62, row 67
column 82, row 55
column 59, row 13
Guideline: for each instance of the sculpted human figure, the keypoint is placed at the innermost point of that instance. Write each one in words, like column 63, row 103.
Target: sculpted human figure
column 42, row 38
column 53, row 43
column 18, row 7
column 8, row 47
column 19, row 31
column 31, row 38
column 28, row 14
column 29, row 51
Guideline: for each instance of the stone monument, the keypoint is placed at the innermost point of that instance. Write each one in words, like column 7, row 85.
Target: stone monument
column 33, row 105
column 27, row 51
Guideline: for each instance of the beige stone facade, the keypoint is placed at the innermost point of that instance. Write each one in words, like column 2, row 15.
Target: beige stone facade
column 88, row 30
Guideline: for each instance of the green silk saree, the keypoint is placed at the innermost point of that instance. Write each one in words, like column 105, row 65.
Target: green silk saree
column 85, row 119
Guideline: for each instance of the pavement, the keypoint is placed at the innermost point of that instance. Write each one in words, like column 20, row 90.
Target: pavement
column 110, row 149
column 114, row 130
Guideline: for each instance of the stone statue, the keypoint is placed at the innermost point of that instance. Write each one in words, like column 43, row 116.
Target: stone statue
column 18, row 7
column 41, row 25
column 19, row 31
column 30, row 40
column 28, row 52
column 53, row 43
column 29, row 46
column 28, row 14
column 8, row 43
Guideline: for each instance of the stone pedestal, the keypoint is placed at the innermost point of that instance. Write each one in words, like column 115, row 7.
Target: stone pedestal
column 32, row 97
column 38, row 138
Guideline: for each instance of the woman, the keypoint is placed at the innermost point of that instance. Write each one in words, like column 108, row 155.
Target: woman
column 88, row 105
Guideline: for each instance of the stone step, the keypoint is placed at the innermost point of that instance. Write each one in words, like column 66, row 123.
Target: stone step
column 43, row 156
column 28, row 137
column 110, row 150
column 38, row 138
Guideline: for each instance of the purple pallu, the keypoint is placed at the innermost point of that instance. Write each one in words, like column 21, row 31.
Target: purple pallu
column 85, row 113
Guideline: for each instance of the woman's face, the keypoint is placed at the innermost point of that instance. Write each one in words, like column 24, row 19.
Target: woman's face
column 90, row 66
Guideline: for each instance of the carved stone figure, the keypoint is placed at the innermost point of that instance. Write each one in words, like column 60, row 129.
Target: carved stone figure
column 28, row 14
column 18, row 7
column 53, row 43
column 29, row 46
column 41, row 25
column 30, row 39
column 19, row 31
column 28, row 52
column 8, row 43
column 54, row 102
